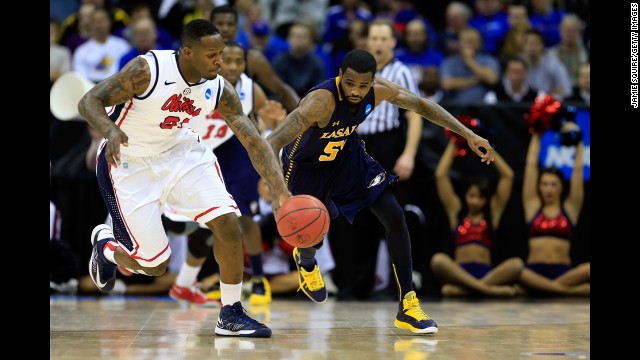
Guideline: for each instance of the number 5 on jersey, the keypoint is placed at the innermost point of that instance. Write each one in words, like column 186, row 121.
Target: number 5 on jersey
column 331, row 150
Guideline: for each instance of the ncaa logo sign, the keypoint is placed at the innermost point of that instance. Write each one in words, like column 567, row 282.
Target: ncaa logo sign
column 367, row 109
column 207, row 94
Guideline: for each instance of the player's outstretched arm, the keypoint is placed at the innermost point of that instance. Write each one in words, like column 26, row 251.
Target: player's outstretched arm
column 263, row 158
column 132, row 80
column 314, row 109
column 403, row 98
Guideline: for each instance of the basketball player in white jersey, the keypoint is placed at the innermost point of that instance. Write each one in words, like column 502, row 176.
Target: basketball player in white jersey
column 241, row 179
column 150, row 157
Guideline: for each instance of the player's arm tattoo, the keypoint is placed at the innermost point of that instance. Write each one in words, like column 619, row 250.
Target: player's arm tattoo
column 132, row 80
column 263, row 158
column 315, row 108
column 428, row 109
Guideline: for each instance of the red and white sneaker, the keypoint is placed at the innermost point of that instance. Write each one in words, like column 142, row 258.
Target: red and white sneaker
column 191, row 295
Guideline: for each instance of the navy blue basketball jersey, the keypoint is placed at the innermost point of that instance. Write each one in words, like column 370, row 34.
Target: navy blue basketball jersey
column 324, row 146
column 331, row 163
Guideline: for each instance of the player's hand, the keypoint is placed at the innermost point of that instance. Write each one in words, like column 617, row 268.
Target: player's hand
column 404, row 167
column 275, row 205
column 476, row 143
column 272, row 113
column 115, row 137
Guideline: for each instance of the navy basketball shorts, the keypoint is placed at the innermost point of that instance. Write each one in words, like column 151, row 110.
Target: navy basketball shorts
column 346, row 185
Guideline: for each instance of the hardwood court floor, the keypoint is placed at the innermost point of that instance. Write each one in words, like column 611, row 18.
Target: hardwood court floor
column 159, row 328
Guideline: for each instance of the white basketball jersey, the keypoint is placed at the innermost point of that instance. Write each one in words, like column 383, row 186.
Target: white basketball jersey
column 212, row 128
column 159, row 118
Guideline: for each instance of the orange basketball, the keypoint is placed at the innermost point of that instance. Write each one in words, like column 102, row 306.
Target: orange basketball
column 303, row 221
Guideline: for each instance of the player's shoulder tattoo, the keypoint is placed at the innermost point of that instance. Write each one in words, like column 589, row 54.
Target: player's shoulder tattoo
column 138, row 74
column 318, row 105
column 133, row 79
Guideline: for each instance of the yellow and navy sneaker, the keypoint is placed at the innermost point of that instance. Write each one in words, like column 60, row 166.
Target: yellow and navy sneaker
column 311, row 282
column 260, row 291
column 412, row 317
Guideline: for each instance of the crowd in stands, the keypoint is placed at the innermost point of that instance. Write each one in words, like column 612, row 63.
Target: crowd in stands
column 467, row 52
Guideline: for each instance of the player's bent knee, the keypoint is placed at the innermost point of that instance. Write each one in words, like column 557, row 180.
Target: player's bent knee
column 225, row 227
column 156, row 264
column 198, row 243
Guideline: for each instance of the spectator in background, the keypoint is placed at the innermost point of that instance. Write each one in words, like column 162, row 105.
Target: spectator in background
column 286, row 12
column 491, row 22
column 546, row 73
column 469, row 75
column 514, row 86
column 261, row 39
column 457, row 18
column 546, row 19
column 338, row 18
column 571, row 52
column 59, row 56
column 300, row 67
column 581, row 95
column 144, row 37
column 551, row 215
column 71, row 25
column 143, row 11
column 258, row 67
column 513, row 43
column 474, row 222
column 416, row 52
column 98, row 58
column 356, row 39
column 82, row 31
column 401, row 12
column 430, row 85
column 174, row 14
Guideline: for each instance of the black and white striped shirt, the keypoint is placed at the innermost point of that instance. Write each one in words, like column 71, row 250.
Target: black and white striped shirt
column 385, row 116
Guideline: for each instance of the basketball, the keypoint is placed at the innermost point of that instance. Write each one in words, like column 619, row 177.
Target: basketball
column 302, row 221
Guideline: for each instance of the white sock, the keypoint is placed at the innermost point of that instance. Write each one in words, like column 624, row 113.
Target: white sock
column 187, row 275
column 230, row 293
column 109, row 250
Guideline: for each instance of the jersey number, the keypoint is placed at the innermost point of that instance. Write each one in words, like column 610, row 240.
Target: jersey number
column 331, row 150
column 172, row 121
column 221, row 132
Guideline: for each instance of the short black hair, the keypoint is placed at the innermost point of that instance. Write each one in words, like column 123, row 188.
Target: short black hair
column 224, row 9
column 196, row 29
column 360, row 61
column 236, row 44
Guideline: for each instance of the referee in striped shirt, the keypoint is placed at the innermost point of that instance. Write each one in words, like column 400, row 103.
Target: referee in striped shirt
column 392, row 138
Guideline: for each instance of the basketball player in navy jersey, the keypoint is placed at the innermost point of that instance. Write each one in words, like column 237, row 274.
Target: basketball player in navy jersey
column 150, row 157
column 323, row 156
